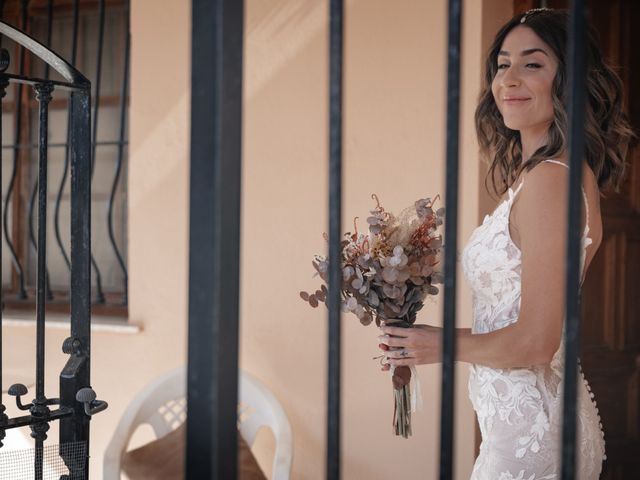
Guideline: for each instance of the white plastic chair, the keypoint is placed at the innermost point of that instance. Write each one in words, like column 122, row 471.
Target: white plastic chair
column 162, row 405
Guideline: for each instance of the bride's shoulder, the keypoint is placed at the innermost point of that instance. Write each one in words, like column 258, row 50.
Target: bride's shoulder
column 545, row 176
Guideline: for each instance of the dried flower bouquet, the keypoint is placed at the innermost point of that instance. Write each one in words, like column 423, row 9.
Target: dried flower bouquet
column 387, row 275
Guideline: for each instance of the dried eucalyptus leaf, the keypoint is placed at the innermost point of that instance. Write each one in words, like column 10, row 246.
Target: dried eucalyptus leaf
column 373, row 298
column 404, row 310
column 437, row 277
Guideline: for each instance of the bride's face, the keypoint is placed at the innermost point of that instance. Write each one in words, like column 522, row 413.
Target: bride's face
column 526, row 69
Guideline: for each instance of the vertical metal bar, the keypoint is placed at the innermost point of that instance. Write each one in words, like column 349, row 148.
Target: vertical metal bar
column 35, row 189
column 336, row 32
column 39, row 408
column 94, row 136
column 63, row 180
column 81, row 219
column 43, row 94
column 214, row 254
column 114, row 184
column 577, row 97
column 4, row 83
column 76, row 373
column 32, row 236
column 37, row 460
column 1, row 16
column 46, row 76
column 451, row 236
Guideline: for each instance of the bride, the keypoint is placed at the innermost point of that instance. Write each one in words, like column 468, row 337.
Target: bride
column 514, row 261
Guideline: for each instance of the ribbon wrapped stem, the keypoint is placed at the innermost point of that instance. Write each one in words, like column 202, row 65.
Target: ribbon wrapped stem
column 401, row 379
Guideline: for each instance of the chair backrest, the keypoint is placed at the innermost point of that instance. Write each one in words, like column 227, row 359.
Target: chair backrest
column 162, row 405
column 259, row 408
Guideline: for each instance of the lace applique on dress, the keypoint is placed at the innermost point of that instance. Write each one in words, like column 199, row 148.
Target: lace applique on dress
column 519, row 409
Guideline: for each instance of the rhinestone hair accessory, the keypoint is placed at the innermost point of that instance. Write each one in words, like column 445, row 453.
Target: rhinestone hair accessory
column 533, row 10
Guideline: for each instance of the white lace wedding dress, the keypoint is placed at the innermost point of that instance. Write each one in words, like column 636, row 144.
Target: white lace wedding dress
column 519, row 409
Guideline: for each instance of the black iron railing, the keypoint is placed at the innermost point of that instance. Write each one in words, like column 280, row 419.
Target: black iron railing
column 576, row 86
column 216, row 114
column 336, row 31
column 451, row 235
column 215, row 163
column 77, row 401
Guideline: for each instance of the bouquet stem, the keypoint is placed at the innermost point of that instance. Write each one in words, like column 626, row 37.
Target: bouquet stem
column 402, row 411
column 402, row 392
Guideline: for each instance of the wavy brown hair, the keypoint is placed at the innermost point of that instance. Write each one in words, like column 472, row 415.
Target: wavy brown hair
column 608, row 133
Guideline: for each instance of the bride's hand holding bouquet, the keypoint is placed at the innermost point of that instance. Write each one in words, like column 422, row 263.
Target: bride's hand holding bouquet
column 406, row 347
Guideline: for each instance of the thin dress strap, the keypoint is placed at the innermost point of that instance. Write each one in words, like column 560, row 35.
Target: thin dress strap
column 584, row 195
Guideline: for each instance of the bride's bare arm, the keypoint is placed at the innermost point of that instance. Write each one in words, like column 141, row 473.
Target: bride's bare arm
column 540, row 217
column 504, row 348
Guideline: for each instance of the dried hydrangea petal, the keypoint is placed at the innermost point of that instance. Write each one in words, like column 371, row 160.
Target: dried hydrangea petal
column 389, row 274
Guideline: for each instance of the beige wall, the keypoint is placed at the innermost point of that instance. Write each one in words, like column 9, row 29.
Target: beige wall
column 395, row 100
column 394, row 146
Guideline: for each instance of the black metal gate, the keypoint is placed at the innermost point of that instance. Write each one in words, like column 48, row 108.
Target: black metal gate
column 217, row 53
column 77, row 401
